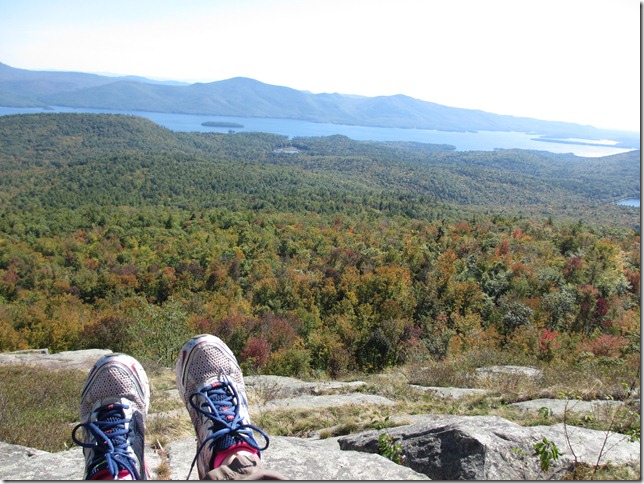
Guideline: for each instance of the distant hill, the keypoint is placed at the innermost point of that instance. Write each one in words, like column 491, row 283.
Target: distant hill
column 250, row 98
column 67, row 160
column 24, row 88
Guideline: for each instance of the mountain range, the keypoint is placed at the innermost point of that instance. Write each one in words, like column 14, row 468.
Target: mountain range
column 246, row 97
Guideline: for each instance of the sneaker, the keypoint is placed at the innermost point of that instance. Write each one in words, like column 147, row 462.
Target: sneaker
column 211, row 385
column 113, row 408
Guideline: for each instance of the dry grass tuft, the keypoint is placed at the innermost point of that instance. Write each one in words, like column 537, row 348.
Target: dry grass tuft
column 168, row 426
column 604, row 473
column 332, row 421
column 587, row 380
column 163, row 471
column 263, row 392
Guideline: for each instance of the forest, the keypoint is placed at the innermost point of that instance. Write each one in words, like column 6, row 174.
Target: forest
column 344, row 257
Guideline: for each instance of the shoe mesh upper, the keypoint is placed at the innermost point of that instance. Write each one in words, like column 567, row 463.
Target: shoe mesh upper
column 208, row 363
column 112, row 382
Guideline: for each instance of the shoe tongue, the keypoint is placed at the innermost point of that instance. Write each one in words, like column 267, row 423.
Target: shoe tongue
column 220, row 392
column 108, row 414
column 215, row 391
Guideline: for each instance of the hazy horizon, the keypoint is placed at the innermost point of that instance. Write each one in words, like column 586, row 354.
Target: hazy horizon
column 575, row 61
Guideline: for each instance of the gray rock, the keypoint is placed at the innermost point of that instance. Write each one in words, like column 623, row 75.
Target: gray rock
column 330, row 386
column 453, row 447
column 558, row 407
column 323, row 401
column 589, row 445
column 462, row 447
column 508, row 370
column 451, row 392
column 24, row 463
column 304, row 459
column 18, row 462
column 82, row 360
column 270, row 387
column 278, row 382
column 180, row 456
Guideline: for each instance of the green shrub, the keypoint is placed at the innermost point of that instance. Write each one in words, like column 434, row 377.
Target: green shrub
column 294, row 361
column 158, row 332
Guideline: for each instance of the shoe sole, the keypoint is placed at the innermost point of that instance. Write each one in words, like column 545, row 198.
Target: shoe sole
column 132, row 367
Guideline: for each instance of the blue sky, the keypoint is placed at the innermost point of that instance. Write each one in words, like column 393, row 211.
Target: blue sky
column 564, row 60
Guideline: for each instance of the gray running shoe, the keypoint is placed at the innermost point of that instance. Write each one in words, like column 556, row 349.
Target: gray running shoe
column 113, row 408
column 211, row 385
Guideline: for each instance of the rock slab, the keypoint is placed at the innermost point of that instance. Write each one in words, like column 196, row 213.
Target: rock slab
column 305, row 459
column 450, row 447
column 507, row 370
column 25, row 463
column 272, row 387
column 295, row 458
column 324, row 401
column 560, row 407
column 452, row 392
column 79, row 360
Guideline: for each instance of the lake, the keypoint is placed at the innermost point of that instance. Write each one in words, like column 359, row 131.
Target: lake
column 467, row 141
column 630, row 202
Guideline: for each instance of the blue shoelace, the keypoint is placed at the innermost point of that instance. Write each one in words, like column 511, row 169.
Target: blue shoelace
column 111, row 441
column 221, row 407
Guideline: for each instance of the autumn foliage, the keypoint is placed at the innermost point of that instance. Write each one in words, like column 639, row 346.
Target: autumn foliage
column 301, row 294
column 315, row 264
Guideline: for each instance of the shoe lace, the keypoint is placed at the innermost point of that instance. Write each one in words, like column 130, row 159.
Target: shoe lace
column 111, row 446
column 221, row 406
